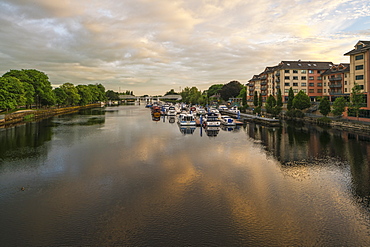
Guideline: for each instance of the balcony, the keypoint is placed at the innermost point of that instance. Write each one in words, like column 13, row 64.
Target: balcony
column 277, row 87
column 251, row 84
column 278, row 73
column 251, row 94
column 263, row 88
column 335, row 85
column 251, row 88
column 336, row 93
column 263, row 83
column 263, row 77
column 263, row 93
column 277, row 79
column 337, row 78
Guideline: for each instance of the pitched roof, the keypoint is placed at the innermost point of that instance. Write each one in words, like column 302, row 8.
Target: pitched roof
column 360, row 47
column 337, row 68
column 305, row 65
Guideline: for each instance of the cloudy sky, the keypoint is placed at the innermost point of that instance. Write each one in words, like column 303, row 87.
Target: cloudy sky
column 152, row 46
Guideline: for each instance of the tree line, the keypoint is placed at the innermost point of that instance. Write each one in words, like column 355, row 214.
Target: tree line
column 30, row 87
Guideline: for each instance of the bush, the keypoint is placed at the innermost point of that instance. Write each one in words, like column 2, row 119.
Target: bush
column 295, row 114
column 324, row 120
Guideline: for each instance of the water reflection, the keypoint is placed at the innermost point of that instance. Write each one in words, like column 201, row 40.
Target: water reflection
column 212, row 131
column 171, row 120
column 300, row 147
column 187, row 129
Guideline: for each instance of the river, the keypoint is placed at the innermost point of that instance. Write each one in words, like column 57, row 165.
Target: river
column 113, row 176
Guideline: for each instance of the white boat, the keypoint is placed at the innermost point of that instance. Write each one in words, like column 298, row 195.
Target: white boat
column 234, row 110
column 171, row 111
column 227, row 121
column 222, row 108
column 186, row 119
column 211, row 120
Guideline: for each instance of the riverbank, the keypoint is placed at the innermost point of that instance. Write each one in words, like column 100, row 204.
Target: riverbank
column 32, row 115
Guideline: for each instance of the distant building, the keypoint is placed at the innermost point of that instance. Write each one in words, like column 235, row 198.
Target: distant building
column 336, row 81
column 171, row 97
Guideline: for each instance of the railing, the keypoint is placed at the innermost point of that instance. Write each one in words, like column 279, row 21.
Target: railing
column 335, row 85
column 263, row 83
column 251, row 88
column 337, row 78
column 263, row 88
column 335, row 93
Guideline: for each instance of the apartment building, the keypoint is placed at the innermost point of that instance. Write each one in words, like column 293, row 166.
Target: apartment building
column 360, row 68
column 336, row 81
column 300, row 75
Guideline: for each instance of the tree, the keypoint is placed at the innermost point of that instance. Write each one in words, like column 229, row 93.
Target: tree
column 29, row 91
column 85, row 94
column 60, row 96
column 11, row 93
column 324, row 106
column 339, row 106
column 73, row 98
column 255, row 99
column 290, row 99
column 214, row 89
column 270, row 104
column 301, row 101
column 171, row 92
column 43, row 91
column 279, row 100
column 243, row 95
column 230, row 90
column 111, row 95
column 357, row 100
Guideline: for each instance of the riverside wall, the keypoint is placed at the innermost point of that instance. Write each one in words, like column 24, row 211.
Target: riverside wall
column 30, row 115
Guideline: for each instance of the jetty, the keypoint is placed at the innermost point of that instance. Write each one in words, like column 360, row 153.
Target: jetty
column 254, row 118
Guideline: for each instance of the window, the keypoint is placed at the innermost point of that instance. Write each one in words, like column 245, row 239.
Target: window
column 360, row 46
column 304, row 90
column 359, row 57
column 303, row 71
column 319, row 90
column 287, row 77
column 324, row 77
column 319, row 84
column 311, row 91
column 287, row 84
column 345, row 76
column 345, row 90
column 303, row 84
column 295, row 71
column 310, row 71
column 361, row 87
column 359, row 77
column 303, row 78
column 286, row 91
column 295, row 77
column 319, row 78
column 310, row 78
column 324, row 84
column 324, row 90
column 295, row 90
column 287, row 71
column 311, row 84
column 319, row 71
column 295, row 84
column 359, row 67
column 345, row 82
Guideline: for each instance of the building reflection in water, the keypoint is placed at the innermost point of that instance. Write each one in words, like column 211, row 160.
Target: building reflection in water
column 302, row 146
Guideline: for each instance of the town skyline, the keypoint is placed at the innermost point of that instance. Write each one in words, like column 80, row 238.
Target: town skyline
column 150, row 47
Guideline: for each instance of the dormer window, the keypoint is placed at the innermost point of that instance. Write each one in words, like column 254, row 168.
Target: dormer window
column 359, row 46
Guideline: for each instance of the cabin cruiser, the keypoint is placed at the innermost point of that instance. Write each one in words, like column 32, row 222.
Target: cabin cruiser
column 211, row 120
column 186, row 119
column 222, row 108
column 171, row 111
column 227, row 121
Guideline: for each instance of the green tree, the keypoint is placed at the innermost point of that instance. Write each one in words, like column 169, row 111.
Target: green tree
column 111, row 95
column 339, row 106
column 11, row 93
column 279, row 100
column 29, row 91
column 357, row 100
column 214, row 89
column 290, row 99
column 73, row 98
column 243, row 95
column 255, row 99
column 60, row 96
column 171, row 92
column 85, row 94
column 230, row 90
column 270, row 104
column 301, row 101
column 324, row 106
column 260, row 100
column 43, row 91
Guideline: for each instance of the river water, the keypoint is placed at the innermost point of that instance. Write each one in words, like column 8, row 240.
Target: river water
column 114, row 176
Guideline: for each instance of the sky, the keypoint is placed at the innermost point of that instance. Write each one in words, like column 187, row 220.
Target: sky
column 153, row 46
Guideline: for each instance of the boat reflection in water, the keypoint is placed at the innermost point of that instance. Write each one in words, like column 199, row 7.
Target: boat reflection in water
column 171, row 119
column 212, row 131
column 156, row 119
column 187, row 129
column 230, row 128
